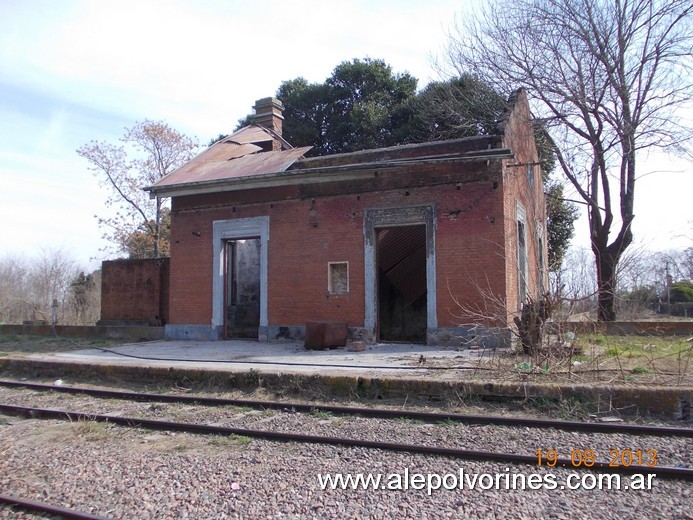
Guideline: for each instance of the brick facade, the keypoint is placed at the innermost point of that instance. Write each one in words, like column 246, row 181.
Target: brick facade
column 319, row 220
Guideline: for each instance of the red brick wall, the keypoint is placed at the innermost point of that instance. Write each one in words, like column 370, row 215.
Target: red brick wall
column 519, row 137
column 307, row 234
column 135, row 291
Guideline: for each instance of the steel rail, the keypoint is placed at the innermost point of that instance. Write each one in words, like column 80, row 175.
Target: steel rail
column 205, row 429
column 33, row 505
column 592, row 427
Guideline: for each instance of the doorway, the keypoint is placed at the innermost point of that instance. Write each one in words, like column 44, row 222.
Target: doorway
column 242, row 288
column 402, row 300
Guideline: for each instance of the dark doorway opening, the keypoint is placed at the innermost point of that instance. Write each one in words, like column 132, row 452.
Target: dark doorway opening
column 402, row 289
column 242, row 288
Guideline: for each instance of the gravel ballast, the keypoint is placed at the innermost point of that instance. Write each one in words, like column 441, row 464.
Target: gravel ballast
column 132, row 473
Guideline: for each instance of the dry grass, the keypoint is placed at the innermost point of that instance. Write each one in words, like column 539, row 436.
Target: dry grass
column 661, row 360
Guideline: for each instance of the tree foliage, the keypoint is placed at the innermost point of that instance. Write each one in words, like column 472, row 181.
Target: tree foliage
column 560, row 219
column 363, row 104
column 462, row 106
column 607, row 77
column 682, row 292
column 150, row 150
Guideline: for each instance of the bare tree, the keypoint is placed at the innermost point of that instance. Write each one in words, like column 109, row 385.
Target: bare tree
column 606, row 76
column 158, row 150
column 30, row 286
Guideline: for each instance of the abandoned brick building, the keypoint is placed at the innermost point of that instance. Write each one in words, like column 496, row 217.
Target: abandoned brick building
column 428, row 242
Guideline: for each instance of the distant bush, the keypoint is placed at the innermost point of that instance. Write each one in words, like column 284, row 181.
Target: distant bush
column 682, row 292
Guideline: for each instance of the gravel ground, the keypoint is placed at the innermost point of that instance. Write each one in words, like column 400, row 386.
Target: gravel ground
column 129, row 473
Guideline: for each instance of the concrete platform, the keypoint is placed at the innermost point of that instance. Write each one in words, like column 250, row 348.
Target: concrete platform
column 285, row 369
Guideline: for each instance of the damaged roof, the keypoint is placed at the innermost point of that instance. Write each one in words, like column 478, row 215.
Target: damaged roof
column 236, row 156
column 239, row 161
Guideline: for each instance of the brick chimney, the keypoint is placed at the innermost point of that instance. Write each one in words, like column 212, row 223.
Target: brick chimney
column 268, row 114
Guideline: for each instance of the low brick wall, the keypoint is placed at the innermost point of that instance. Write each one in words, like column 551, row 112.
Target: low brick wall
column 627, row 328
column 134, row 292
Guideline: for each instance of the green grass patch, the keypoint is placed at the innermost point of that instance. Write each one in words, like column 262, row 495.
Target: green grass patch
column 641, row 370
column 240, row 440
column 229, row 440
column 320, row 414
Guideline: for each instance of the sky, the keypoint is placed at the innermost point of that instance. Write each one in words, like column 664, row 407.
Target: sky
column 76, row 71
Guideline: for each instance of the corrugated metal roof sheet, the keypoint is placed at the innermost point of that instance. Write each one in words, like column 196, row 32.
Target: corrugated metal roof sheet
column 216, row 167
column 402, row 258
column 234, row 156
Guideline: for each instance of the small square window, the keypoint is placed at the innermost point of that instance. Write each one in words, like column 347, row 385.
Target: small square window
column 338, row 277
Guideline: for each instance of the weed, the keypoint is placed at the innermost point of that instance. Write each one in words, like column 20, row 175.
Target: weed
column 3, row 354
column 599, row 340
column 232, row 439
column 296, row 384
column 219, row 440
column 407, row 420
column 641, row 370
column 613, row 352
column 89, row 430
column 320, row 414
column 252, row 377
column 447, row 422
column 238, row 409
column 241, row 440
column 181, row 448
column 572, row 409
column 3, row 421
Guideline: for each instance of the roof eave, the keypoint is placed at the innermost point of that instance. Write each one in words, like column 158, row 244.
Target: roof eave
column 314, row 175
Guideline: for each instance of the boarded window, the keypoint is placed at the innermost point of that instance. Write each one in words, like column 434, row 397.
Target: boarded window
column 338, row 277
column 521, row 261
column 530, row 178
column 522, row 266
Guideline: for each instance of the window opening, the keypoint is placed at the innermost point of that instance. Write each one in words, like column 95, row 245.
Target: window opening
column 338, row 277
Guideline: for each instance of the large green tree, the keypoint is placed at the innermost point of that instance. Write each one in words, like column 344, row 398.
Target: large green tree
column 363, row 105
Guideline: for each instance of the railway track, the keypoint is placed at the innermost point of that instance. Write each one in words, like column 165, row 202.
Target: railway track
column 206, row 429
column 111, row 442
column 42, row 507
column 681, row 473
column 381, row 413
